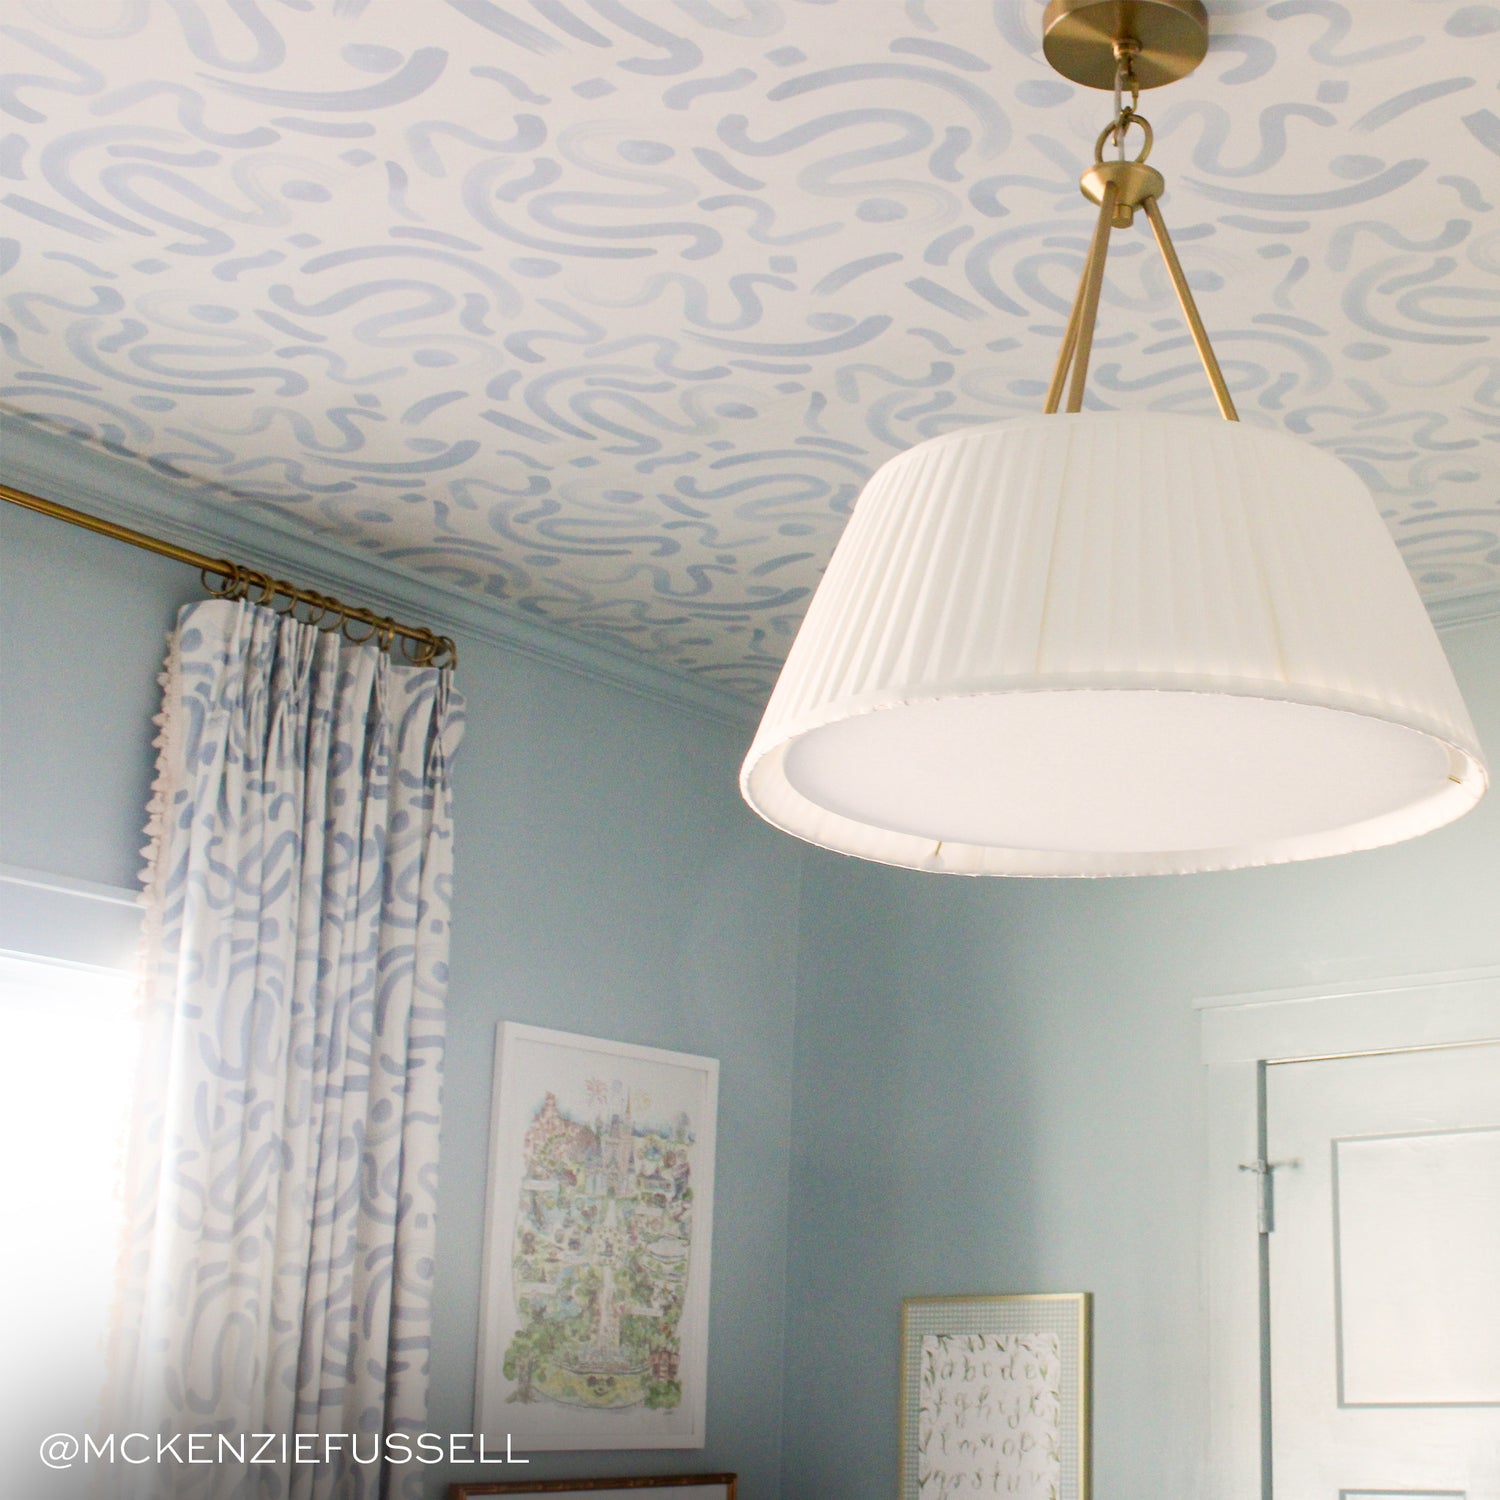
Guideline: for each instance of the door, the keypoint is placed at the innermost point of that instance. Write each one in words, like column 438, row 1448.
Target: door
column 1384, row 1275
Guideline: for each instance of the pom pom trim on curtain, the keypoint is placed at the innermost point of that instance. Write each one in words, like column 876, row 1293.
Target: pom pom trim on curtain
column 283, row 1173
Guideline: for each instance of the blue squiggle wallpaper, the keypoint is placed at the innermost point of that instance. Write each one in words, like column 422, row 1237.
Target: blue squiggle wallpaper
column 605, row 309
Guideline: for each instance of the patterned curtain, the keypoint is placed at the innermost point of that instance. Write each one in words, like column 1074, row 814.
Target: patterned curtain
column 278, row 1278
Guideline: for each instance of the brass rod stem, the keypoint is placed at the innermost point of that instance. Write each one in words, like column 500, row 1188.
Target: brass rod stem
column 1190, row 311
column 1069, row 345
column 431, row 649
column 1093, row 280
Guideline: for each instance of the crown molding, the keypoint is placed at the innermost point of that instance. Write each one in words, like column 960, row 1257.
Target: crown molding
column 213, row 520
column 210, row 519
column 1449, row 611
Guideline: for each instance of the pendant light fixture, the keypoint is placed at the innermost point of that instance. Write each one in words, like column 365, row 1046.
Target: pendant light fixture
column 1114, row 643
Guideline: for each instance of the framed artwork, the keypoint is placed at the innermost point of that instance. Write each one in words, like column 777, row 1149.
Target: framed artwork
column 995, row 1396
column 598, row 1232
column 668, row 1486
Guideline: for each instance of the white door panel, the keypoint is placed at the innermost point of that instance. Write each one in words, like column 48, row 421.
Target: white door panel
column 1415, row 1267
column 1385, row 1275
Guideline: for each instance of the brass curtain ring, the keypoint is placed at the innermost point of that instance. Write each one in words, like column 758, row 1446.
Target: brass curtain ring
column 228, row 574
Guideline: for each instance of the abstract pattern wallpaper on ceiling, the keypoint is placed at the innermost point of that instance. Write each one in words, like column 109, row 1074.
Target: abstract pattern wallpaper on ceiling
column 606, row 308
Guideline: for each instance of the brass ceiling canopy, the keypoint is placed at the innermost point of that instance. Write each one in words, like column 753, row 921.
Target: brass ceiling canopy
column 1080, row 37
column 1126, row 45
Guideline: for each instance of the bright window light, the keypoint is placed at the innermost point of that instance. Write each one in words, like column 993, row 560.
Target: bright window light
column 71, row 1037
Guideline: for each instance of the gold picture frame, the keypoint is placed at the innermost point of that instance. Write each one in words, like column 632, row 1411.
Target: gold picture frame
column 999, row 1382
column 712, row 1487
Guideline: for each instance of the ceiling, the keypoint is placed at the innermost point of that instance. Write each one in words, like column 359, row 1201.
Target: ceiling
column 605, row 309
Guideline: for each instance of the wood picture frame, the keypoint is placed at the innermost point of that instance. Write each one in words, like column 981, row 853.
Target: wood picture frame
column 681, row 1487
column 999, row 1386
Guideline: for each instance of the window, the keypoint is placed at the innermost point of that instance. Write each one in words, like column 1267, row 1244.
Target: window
column 70, row 1032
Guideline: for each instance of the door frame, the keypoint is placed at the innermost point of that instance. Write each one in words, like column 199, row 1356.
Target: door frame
column 1238, row 1036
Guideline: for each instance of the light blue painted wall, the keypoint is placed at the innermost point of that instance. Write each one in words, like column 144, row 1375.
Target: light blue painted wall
column 609, row 882
column 83, row 624
column 998, row 1089
column 996, row 1083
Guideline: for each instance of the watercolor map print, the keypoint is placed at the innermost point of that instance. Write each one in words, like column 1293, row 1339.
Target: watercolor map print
column 597, row 1259
column 601, row 1252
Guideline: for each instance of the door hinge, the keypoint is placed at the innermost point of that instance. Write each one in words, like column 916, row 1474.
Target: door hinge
column 1265, row 1194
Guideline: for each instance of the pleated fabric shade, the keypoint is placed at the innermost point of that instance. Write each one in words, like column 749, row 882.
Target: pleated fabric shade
column 1113, row 644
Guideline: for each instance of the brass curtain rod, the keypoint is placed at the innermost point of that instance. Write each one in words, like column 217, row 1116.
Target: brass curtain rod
column 420, row 646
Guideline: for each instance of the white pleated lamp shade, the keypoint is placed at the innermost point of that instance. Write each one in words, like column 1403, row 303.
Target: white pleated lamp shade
column 1113, row 644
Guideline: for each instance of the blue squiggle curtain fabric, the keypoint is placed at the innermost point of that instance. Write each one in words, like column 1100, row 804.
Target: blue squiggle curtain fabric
column 283, row 1177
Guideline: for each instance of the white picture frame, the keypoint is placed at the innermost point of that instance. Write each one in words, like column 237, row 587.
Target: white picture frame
column 594, row 1296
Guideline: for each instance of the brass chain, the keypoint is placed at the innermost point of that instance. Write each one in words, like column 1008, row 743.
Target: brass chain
column 1126, row 115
